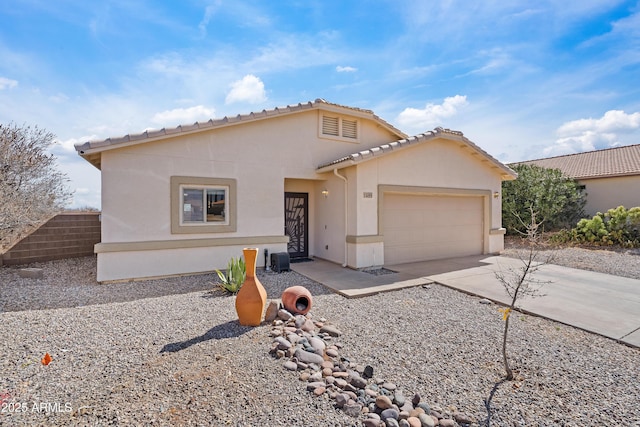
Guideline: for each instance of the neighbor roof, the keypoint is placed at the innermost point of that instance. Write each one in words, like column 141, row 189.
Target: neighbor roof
column 610, row 162
column 91, row 150
column 381, row 150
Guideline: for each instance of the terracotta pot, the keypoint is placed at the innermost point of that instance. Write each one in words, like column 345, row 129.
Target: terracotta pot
column 297, row 300
column 252, row 297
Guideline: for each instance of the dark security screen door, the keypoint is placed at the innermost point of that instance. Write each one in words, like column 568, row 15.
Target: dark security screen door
column 296, row 212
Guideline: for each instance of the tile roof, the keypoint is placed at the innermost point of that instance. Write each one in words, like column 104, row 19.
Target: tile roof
column 361, row 156
column 90, row 150
column 619, row 161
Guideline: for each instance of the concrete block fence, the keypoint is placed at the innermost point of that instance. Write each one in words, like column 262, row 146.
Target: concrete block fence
column 67, row 235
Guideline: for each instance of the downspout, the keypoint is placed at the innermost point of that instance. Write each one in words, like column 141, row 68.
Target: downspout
column 346, row 217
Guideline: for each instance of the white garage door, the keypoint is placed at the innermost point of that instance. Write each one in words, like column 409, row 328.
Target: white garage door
column 418, row 228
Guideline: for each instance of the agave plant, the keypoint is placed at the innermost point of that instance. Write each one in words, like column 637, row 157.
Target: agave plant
column 233, row 278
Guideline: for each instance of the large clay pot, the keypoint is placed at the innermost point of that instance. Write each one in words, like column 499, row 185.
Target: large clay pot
column 252, row 297
column 297, row 300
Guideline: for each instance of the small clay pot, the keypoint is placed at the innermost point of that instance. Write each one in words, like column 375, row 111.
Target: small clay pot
column 296, row 300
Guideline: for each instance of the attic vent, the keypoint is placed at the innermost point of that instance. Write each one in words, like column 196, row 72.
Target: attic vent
column 350, row 128
column 330, row 125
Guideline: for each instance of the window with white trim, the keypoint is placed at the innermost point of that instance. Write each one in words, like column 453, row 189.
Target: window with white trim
column 202, row 205
column 337, row 127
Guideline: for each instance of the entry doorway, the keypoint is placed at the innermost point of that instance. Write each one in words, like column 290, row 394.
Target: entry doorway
column 296, row 214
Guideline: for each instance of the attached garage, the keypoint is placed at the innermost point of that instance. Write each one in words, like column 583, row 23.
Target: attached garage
column 419, row 227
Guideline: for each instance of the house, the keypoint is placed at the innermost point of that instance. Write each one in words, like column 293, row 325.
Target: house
column 314, row 180
column 611, row 177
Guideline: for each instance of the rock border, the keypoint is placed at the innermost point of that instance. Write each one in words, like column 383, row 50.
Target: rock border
column 312, row 349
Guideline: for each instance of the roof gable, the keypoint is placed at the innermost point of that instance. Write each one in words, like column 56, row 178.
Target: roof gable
column 610, row 162
column 392, row 147
column 91, row 150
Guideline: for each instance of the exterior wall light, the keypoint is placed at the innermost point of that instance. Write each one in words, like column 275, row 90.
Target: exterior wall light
column 325, row 193
column 496, row 194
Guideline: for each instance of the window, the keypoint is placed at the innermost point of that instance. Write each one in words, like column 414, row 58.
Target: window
column 339, row 128
column 202, row 205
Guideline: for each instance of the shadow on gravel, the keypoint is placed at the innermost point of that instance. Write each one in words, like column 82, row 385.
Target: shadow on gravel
column 231, row 329
column 487, row 402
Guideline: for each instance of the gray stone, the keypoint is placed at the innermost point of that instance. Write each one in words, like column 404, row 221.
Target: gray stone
column 426, row 420
column 316, row 376
column 332, row 352
column 318, row 345
column 272, row 311
column 404, row 423
column 283, row 343
column 358, row 382
column 389, row 386
column 299, row 321
column 398, row 398
column 352, row 409
column 308, row 357
column 425, row 407
column 485, row 301
column 293, row 338
column 342, row 399
column 31, row 273
column 340, row 382
column 408, row 407
column 389, row 413
column 284, row 314
column 370, row 422
column 291, row 365
column 308, row 326
column 462, row 418
column 391, row 422
column 331, row 330
column 445, row 422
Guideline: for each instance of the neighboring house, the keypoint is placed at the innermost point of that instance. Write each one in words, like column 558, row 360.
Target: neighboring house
column 314, row 180
column 610, row 177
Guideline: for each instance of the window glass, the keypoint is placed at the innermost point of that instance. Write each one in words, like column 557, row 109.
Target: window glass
column 216, row 202
column 192, row 205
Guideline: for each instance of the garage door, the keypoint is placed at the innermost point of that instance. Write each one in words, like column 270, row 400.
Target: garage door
column 418, row 228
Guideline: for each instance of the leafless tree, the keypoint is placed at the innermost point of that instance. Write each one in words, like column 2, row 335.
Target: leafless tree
column 32, row 189
column 519, row 282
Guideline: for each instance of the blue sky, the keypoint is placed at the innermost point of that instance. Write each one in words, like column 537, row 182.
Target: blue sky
column 521, row 79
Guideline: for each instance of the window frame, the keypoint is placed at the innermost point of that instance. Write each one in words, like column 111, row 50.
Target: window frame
column 180, row 183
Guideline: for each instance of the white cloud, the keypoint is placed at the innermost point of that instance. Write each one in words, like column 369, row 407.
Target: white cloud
column 346, row 69
column 209, row 11
column 432, row 114
column 6, row 83
column 611, row 121
column 593, row 134
column 183, row 115
column 250, row 89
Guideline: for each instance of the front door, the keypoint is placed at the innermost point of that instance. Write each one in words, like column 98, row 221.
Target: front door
column 296, row 212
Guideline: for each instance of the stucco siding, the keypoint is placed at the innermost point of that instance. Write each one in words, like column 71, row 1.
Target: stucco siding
column 608, row 193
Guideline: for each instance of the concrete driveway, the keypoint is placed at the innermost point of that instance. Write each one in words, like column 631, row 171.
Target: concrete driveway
column 600, row 303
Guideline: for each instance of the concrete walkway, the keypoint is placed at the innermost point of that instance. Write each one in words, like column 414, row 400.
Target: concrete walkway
column 600, row 303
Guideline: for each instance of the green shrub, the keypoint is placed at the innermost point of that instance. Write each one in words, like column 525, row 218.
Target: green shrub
column 557, row 200
column 235, row 276
column 617, row 226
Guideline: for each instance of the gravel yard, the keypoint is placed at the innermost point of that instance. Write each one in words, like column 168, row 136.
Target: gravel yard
column 170, row 352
